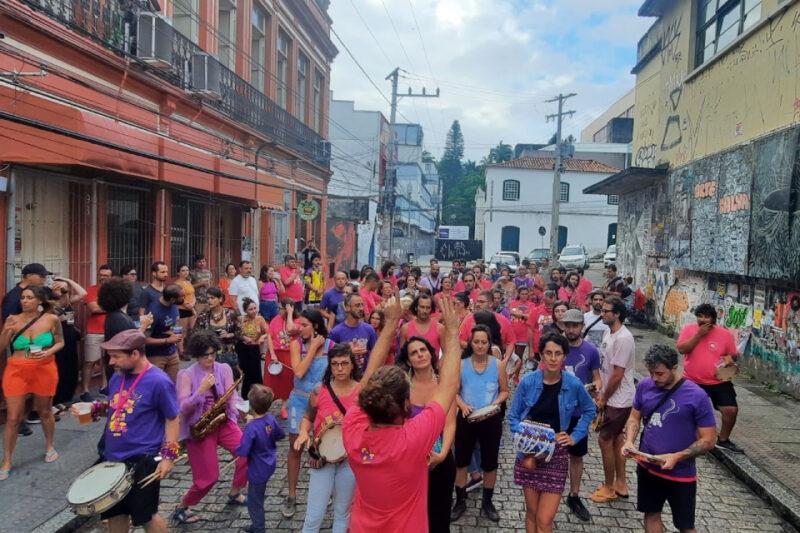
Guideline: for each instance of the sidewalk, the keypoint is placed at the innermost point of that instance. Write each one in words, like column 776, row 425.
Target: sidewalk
column 768, row 429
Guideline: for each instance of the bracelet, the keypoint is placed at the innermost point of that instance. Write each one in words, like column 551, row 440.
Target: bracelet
column 99, row 408
column 170, row 450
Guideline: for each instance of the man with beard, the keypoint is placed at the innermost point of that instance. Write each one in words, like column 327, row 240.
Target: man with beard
column 329, row 307
column 432, row 281
column 555, row 280
column 142, row 423
column 468, row 284
column 159, row 274
column 678, row 425
column 615, row 286
column 593, row 326
column 160, row 346
column 583, row 360
column 354, row 331
column 706, row 346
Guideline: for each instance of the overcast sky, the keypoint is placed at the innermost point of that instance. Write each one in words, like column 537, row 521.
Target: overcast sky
column 495, row 61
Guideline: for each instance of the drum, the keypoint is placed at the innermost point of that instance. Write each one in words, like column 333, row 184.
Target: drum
column 479, row 415
column 99, row 488
column 275, row 368
column 536, row 439
column 727, row 372
column 330, row 444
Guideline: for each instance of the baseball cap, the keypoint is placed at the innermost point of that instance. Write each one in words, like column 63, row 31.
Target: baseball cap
column 35, row 268
column 574, row 316
column 127, row 340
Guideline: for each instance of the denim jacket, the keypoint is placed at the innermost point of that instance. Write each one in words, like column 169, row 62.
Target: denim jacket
column 573, row 401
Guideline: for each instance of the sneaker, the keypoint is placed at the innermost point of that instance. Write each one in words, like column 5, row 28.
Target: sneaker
column 729, row 445
column 575, row 505
column 33, row 418
column 24, row 430
column 87, row 397
column 474, row 483
column 289, row 506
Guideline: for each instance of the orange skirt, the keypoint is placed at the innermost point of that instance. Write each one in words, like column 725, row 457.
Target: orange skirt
column 30, row 376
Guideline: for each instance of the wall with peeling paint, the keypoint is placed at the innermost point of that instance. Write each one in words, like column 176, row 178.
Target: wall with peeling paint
column 683, row 114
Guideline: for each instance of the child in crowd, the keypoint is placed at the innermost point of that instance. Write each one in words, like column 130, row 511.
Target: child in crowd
column 258, row 445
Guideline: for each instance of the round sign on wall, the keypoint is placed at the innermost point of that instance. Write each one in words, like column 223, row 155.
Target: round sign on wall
column 542, row 230
column 308, row 209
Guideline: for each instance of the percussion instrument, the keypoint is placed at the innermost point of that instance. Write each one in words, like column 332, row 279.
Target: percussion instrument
column 598, row 420
column 479, row 415
column 330, row 444
column 536, row 439
column 727, row 372
column 590, row 387
column 100, row 488
column 530, row 364
column 275, row 368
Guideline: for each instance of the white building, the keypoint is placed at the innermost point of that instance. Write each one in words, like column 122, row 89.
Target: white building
column 518, row 201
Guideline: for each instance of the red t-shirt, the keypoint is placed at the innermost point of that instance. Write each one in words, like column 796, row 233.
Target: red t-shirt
column 294, row 290
column 390, row 465
column 700, row 365
column 539, row 317
column 506, row 331
column 95, row 323
column 371, row 301
column 521, row 325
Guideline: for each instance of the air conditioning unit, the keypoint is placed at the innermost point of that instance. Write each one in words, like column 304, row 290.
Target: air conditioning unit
column 154, row 40
column 206, row 76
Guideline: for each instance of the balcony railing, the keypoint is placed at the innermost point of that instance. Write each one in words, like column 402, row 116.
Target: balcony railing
column 113, row 23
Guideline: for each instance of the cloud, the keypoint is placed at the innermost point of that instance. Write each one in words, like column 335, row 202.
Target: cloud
column 495, row 61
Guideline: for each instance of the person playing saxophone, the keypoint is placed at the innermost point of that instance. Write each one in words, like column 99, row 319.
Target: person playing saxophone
column 207, row 397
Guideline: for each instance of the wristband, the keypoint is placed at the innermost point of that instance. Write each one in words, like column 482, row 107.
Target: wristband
column 170, row 450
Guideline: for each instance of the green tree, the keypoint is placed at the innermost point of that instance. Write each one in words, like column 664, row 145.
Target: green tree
column 500, row 153
column 427, row 157
column 450, row 168
column 461, row 208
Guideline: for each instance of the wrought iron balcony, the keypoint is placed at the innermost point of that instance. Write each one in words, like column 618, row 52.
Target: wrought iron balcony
column 113, row 23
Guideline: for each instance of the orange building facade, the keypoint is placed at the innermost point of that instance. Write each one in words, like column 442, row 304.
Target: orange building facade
column 141, row 130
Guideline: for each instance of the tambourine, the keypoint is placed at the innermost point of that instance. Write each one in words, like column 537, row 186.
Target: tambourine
column 534, row 438
column 479, row 415
column 275, row 368
column 727, row 372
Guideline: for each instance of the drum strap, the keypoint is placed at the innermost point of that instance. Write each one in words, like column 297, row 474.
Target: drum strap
column 335, row 399
column 593, row 324
column 662, row 401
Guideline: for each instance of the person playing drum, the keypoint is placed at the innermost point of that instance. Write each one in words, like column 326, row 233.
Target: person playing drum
column 385, row 447
column 419, row 358
column 327, row 404
column 199, row 388
column 142, row 423
column 484, row 388
column 553, row 397
column 35, row 336
column 309, row 356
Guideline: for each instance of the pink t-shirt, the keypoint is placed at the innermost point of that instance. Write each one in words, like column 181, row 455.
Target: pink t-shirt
column 506, row 331
column 700, row 365
column 390, row 465
column 520, row 325
column 293, row 290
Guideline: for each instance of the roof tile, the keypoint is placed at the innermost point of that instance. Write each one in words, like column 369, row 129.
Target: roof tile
column 548, row 163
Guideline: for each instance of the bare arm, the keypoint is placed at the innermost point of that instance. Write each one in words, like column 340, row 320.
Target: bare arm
column 78, row 292
column 503, row 394
column 632, row 428
column 58, row 338
column 613, row 384
column 381, row 350
column 450, row 373
column 706, row 438
column 94, row 308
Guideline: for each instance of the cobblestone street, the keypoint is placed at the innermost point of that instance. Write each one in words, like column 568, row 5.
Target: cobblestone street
column 723, row 503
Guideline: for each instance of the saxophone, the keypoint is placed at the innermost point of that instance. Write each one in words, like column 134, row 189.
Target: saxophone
column 216, row 416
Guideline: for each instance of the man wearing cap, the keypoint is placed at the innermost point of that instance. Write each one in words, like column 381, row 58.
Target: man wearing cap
column 593, row 326
column 583, row 360
column 141, row 423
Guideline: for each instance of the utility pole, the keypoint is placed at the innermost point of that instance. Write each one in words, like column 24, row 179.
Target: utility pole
column 558, row 117
column 391, row 187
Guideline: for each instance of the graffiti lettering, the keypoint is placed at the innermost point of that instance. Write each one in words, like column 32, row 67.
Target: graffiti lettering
column 669, row 41
column 707, row 189
column 736, row 317
column 797, row 108
column 676, row 303
column 734, row 202
column 646, row 156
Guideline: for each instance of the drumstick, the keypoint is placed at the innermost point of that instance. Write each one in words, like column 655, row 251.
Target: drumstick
column 145, row 481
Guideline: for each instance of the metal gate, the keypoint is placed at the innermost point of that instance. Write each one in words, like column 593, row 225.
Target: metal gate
column 130, row 229
column 188, row 235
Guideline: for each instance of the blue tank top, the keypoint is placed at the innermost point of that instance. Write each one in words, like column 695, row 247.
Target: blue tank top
column 313, row 376
column 479, row 389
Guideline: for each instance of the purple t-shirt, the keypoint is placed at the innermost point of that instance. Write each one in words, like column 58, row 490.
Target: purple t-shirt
column 582, row 361
column 258, row 445
column 362, row 333
column 330, row 302
column 674, row 427
column 138, row 429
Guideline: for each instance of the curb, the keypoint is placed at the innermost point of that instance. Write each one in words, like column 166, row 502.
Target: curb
column 64, row 521
column 785, row 503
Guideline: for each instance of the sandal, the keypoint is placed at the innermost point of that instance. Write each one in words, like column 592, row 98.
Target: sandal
column 4, row 473
column 603, row 495
column 51, row 456
column 184, row 516
column 238, row 499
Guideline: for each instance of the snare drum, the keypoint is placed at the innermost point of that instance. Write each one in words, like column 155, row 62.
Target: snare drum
column 100, row 488
column 479, row 415
column 330, row 444
column 727, row 373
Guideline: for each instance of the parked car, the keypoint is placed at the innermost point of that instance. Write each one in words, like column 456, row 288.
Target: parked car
column 503, row 259
column 574, row 256
column 538, row 255
column 610, row 258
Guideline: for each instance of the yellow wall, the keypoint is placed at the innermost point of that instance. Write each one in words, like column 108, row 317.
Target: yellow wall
column 752, row 89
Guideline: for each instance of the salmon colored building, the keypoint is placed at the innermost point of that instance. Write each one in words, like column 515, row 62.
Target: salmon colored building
column 141, row 130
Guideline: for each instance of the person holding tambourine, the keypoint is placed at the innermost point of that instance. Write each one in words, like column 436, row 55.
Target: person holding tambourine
column 548, row 397
column 328, row 403
column 484, row 388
